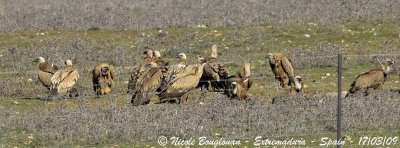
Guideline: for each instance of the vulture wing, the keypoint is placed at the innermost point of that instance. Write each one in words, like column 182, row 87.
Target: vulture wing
column 64, row 79
column 45, row 67
column 149, row 80
column 186, row 78
column 111, row 71
column 288, row 68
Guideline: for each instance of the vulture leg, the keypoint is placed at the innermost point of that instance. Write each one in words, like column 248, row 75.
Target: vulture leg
column 139, row 99
column 73, row 92
column 183, row 98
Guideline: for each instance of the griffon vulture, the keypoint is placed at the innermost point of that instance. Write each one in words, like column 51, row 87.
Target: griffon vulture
column 64, row 80
column 139, row 69
column 103, row 75
column 372, row 79
column 180, row 80
column 46, row 71
column 282, row 68
column 146, row 84
column 238, row 85
column 213, row 71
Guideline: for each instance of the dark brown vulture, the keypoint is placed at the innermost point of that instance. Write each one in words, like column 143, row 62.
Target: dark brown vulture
column 371, row 79
column 179, row 80
column 146, row 84
column 46, row 71
column 63, row 81
column 282, row 68
column 138, row 70
column 103, row 75
column 213, row 72
column 238, row 85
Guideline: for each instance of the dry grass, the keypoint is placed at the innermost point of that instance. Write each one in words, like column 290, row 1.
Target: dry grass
column 117, row 32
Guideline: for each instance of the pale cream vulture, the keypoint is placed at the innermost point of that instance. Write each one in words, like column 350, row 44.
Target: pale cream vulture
column 46, row 71
column 282, row 68
column 103, row 78
column 179, row 80
column 371, row 79
column 63, row 81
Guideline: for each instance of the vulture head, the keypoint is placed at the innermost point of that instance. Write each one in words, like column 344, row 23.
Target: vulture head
column 105, row 71
column 297, row 82
column 148, row 54
column 214, row 51
column 39, row 60
column 156, row 54
column 181, row 59
column 200, row 59
column 68, row 62
column 181, row 56
column 389, row 62
column 387, row 65
column 234, row 86
column 270, row 57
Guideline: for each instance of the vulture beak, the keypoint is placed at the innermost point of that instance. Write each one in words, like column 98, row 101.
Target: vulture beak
column 36, row 60
column 178, row 56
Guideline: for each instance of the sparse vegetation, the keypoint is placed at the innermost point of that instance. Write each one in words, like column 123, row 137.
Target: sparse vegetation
column 117, row 32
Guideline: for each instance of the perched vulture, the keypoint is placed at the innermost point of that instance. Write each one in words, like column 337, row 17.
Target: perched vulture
column 238, row 85
column 213, row 71
column 146, row 84
column 372, row 79
column 46, row 71
column 64, row 80
column 282, row 68
column 103, row 75
column 179, row 80
column 138, row 70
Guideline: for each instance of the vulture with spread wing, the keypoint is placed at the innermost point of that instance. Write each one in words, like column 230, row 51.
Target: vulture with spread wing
column 63, row 81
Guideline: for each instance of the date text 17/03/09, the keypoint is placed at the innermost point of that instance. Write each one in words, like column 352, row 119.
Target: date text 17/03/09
column 378, row 141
